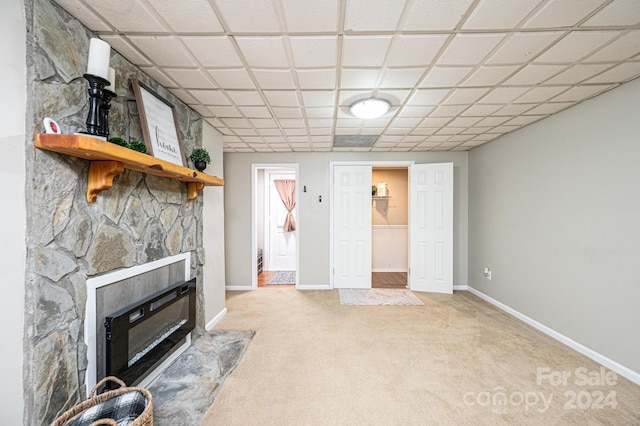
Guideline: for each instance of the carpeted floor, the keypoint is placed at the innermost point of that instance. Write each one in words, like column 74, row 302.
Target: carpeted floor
column 378, row 296
column 282, row 277
column 454, row 361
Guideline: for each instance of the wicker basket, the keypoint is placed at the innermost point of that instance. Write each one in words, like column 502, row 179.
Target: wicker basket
column 144, row 419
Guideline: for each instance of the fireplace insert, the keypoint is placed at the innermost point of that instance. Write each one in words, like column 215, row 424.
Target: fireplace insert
column 141, row 336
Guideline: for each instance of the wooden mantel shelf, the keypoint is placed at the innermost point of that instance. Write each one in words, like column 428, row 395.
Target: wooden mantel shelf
column 109, row 160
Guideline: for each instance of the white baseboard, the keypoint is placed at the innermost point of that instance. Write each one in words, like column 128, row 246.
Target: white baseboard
column 460, row 287
column 388, row 270
column 238, row 288
column 634, row 376
column 215, row 319
column 314, row 287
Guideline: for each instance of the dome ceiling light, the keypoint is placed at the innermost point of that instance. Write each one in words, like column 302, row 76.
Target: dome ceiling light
column 370, row 108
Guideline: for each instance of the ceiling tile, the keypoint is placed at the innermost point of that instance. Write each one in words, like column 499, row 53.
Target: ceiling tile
column 201, row 109
column 264, row 123
column 164, row 51
column 263, row 52
column 492, row 121
column 533, row 74
column 314, row 52
column 210, row 97
column 401, row 78
column 541, row 94
column 255, row 111
column 359, row 78
column 619, row 12
column 427, row 97
column 317, row 79
column 159, row 76
column 434, row 122
column 578, row 73
column 249, row 16
column 184, row 96
column 515, row 109
column 236, row 123
column 269, row 132
column 320, row 122
column 190, row 78
column 318, row 98
column 489, row 75
column 274, row 79
column 465, row 96
column 326, row 112
column 364, row 51
column 575, row 46
column 490, row 14
column 245, row 97
column 469, row 49
column 479, row 110
column 347, row 97
column 191, row 16
column 85, row 15
column 522, row 47
column 622, row 72
column 414, row 50
column 445, row 76
column 415, row 111
column 286, row 112
column 282, row 98
column 224, row 111
column 126, row 49
column 394, row 96
column 128, row 15
column 579, row 93
column 236, row 78
column 405, row 122
column 213, row 51
column 448, row 110
column 464, row 121
column 372, row 15
column 503, row 95
column 561, row 13
column 311, row 16
column 550, row 108
column 435, row 15
column 618, row 50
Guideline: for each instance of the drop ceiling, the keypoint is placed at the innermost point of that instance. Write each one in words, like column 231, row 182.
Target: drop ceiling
column 279, row 75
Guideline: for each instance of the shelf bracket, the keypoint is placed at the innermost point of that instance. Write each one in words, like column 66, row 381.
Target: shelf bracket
column 101, row 174
column 193, row 190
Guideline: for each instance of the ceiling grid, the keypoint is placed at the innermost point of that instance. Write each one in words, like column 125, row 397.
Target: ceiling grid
column 280, row 75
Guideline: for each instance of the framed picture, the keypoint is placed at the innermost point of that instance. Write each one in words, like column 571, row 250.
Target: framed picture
column 159, row 123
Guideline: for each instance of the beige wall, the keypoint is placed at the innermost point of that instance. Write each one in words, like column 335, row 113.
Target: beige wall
column 393, row 211
column 554, row 210
column 12, row 226
column 213, row 229
column 313, row 216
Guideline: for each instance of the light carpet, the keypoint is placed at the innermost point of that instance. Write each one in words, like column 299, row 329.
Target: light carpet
column 452, row 361
column 378, row 296
column 283, row 277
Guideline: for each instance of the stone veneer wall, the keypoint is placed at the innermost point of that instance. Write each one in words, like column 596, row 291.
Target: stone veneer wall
column 140, row 219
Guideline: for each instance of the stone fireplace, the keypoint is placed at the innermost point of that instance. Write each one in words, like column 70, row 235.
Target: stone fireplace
column 138, row 320
column 140, row 220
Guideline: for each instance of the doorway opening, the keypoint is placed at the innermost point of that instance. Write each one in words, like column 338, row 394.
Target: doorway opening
column 389, row 227
column 275, row 225
column 430, row 225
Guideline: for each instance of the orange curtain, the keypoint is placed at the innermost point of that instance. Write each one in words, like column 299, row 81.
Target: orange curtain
column 287, row 190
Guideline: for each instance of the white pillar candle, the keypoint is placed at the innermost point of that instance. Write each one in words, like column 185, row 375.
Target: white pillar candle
column 112, row 80
column 99, row 56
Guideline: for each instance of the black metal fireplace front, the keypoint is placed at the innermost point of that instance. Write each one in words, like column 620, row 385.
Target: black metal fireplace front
column 141, row 336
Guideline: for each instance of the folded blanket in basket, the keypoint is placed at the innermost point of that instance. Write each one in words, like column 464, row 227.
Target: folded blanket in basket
column 124, row 409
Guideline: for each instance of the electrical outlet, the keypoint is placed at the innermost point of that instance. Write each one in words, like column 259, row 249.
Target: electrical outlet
column 487, row 273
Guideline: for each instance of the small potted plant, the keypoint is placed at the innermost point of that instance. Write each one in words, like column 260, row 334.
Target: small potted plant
column 200, row 158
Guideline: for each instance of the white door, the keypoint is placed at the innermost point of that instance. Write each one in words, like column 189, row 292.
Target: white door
column 431, row 228
column 352, row 227
column 281, row 250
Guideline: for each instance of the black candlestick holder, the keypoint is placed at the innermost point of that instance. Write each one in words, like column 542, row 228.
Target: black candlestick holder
column 96, row 88
column 105, row 106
